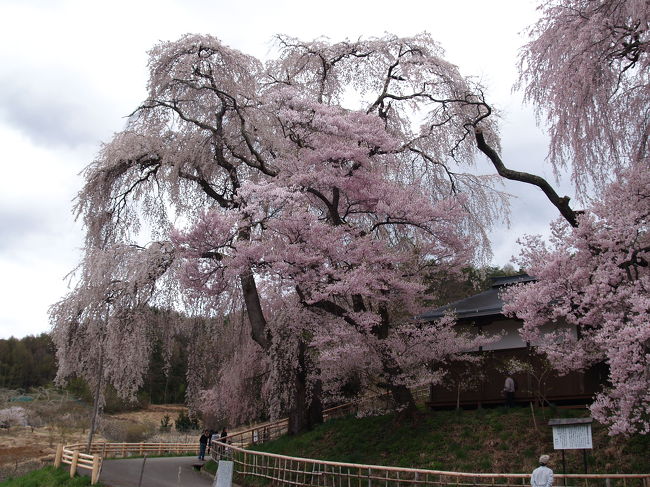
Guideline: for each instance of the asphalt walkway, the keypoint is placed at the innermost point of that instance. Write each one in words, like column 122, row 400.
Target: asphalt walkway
column 158, row 472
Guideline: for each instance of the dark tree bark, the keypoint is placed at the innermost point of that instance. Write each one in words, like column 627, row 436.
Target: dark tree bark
column 560, row 202
column 256, row 318
column 97, row 393
column 404, row 399
column 307, row 410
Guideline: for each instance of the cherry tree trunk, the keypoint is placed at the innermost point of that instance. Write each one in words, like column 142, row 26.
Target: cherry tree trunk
column 399, row 392
column 307, row 410
column 404, row 400
column 98, row 391
column 254, row 310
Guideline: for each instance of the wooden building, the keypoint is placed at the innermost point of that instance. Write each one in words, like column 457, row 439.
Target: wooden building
column 475, row 385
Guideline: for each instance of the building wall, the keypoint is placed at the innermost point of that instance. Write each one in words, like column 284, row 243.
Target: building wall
column 482, row 384
column 509, row 331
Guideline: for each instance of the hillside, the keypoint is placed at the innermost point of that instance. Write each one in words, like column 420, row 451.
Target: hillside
column 487, row 440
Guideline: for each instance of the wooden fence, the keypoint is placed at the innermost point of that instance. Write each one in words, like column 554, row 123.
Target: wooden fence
column 71, row 454
column 76, row 459
column 293, row 471
column 123, row 450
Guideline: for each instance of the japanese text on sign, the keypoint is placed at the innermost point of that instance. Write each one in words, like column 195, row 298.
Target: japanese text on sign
column 572, row 437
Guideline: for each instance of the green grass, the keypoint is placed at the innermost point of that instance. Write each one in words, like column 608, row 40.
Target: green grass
column 47, row 477
column 488, row 440
column 210, row 466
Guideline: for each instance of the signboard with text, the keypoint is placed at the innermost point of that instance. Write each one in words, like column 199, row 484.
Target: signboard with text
column 572, row 434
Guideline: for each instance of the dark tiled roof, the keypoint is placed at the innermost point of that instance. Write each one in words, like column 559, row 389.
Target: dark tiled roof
column 487, row 303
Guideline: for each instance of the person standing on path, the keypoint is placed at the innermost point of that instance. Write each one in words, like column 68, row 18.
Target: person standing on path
column 542, row 476
column 509, row 391
column 214, row 437
column 203, row 444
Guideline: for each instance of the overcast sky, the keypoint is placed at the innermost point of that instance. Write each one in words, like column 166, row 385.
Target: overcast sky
column 70, row 71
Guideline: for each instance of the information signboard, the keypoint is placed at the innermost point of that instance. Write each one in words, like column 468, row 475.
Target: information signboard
column 572, row 434
column 572, row 437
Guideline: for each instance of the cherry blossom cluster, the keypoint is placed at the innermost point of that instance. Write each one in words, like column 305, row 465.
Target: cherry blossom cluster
column 596, row 278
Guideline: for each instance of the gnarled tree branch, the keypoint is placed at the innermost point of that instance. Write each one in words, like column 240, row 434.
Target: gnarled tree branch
column 560, row 202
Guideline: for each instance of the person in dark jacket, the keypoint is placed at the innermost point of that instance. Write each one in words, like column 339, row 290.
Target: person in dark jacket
column 203, row 444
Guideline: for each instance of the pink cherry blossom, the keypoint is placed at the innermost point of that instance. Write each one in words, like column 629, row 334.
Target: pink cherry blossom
column 595, row 278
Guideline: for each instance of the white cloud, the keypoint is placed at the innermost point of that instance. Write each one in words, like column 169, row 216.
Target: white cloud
column 39, row 240
column 71, row 70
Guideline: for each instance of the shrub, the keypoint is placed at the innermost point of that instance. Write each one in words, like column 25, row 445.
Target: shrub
column 13, row 416
column 126, row 431
column 185, row 423
column 165, row 423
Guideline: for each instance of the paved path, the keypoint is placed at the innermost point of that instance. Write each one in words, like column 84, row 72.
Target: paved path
column 158, row 472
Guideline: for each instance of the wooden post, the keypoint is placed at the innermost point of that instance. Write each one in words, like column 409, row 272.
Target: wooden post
column 73, row 465
column 59, row 456
column 95, row 474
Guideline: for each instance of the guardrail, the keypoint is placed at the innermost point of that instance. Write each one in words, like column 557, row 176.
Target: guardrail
column 76, row 459
column 293, row 471
column 72, row 454
column 112, row 450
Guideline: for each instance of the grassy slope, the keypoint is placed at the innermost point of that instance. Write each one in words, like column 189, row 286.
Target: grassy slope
column 488, row 440
column 47, row 477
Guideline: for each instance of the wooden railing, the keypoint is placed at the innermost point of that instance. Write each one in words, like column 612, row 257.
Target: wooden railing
column 293, row 471
column 72, row 454
column 113, row 450
column 76, row 459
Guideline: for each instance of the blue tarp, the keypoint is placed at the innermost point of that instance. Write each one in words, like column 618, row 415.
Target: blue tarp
column 21, row 399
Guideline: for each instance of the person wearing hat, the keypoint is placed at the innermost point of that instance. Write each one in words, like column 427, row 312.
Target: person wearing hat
column 542, row 476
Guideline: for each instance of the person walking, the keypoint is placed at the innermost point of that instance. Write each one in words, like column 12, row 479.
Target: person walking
column 542, row 476
column 203, row 443
column 509, row 391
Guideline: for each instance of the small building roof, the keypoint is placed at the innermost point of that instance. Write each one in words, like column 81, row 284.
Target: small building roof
column 569, row 421
column 487, row 303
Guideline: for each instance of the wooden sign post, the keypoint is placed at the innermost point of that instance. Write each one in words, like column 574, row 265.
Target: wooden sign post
column 572, row 434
